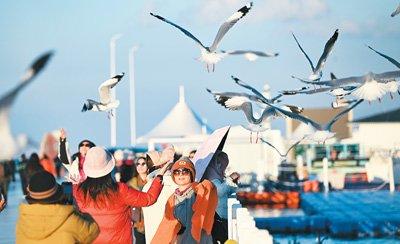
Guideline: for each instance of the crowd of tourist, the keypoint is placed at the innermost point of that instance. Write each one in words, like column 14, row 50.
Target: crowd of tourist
column 103, row 198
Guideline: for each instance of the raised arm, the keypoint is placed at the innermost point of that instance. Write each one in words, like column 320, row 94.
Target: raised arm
column 63, row 151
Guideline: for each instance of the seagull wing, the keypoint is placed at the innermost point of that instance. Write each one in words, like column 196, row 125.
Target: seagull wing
column 228, row 24
column 396, row 12
column 296, row 116
column 276, row 98
column 337, row 82
column 187, row 33
column 327, row 50
column 258, row 53
column 37, row 66
column 243, row 84
column 238, row 103
column 387, row 75
column 328, row 126
column 392, row 60
column 106, row 86
column 303, row 91
column 220, row 96
column 305, row 54
column 269, row 144
column 8, row 98
column 292, row 146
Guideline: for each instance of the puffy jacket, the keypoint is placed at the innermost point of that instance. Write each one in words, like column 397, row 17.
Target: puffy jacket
column 115, row 220
column 53, row 223
column 203, row 215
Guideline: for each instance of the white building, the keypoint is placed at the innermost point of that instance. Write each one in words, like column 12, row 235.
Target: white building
column 377, row 132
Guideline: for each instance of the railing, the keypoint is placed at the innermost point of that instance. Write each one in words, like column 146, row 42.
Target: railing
column 242, row 227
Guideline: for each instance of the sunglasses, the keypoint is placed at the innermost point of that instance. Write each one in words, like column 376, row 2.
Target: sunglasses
column 84, row 145
column 142, row 164
column 181, row 172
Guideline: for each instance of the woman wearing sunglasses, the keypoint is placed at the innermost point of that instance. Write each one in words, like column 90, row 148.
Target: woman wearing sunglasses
column 83, row 147
column 189, row 211
column 137, row 182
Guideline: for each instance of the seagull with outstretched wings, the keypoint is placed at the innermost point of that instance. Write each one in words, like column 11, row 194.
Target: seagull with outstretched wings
column 106, row 102
column 209, row 55
column 317, row 70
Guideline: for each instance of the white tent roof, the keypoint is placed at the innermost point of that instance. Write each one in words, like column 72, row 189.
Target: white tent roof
column 180, row 122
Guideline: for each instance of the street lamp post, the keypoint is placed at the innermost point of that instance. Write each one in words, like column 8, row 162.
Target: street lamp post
column 113, row 119
column 132, row 96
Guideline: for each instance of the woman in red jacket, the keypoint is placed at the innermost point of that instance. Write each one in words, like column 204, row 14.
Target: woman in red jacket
column 109, row 202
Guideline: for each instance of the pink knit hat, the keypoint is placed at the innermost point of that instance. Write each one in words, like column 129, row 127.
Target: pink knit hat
column 98, row 162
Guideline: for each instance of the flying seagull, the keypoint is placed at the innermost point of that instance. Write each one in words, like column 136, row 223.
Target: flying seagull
column 10, row 145
column 283, row 156
column 236, row 101
column 321, row 132
column 396, row 12
column 369, row 87
column 251, row 55
column 392, row 86
column 106, row 103
column 317, row 70
column 209, row 55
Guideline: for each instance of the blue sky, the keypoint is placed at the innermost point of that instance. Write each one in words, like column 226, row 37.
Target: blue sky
column 80, row 31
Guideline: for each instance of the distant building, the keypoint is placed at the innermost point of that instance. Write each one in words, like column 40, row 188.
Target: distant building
column 296, row 129
column 377, row 132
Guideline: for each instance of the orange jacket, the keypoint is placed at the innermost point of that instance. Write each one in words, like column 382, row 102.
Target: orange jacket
column 49, row 166
column 203, row 214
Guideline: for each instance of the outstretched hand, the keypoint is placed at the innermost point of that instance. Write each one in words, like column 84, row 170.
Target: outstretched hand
column 167, row 155
column 235, row 177
column 63, row 133
column 165, row 168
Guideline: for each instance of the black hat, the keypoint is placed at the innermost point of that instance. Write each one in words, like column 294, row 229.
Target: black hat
column 91, row 144
column 43, row 188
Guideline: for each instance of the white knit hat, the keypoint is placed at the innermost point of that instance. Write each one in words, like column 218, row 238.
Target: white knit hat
column 98, row 162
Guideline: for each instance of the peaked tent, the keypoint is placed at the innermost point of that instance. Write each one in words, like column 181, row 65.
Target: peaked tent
column 180, row 122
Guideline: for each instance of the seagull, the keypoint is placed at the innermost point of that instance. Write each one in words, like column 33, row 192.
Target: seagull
column 105, row 104
column 283, row 156
column 370, row 87
column 256, row 92
column 321, row 133
column 317, row 70
column 209, row 55
column 235, row 101
column 11, row 145
column 396, row 12
column 250, row 54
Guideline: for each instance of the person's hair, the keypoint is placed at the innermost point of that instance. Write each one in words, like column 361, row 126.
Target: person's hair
column 91, row 144
column 177, row 156
column 149, row 165
column 100, row 190
column 34, row 158
column 221, row 156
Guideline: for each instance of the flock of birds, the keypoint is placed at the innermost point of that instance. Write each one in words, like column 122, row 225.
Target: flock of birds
column 369, row 87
